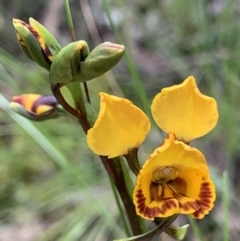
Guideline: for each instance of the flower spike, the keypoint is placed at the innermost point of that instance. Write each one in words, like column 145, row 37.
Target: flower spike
column 120, row 126
column 183, row 110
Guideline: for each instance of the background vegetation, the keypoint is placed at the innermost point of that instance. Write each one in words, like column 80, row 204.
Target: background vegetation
column 41, row 197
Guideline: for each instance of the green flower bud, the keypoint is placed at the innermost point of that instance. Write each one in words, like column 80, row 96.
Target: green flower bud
column 75, row 63
column 104, row 57
column 66, row 65
column 36, row 107
column 36, row 42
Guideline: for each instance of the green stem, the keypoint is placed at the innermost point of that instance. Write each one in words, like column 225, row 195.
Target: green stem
column 196, row 229
column 69, row 20
column 76, row 92
column 80, row 111
column 130, row 185
column 128, row 233
column 117, row 173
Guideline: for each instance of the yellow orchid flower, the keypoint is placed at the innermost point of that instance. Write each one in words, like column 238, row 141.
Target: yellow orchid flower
column 174, row 179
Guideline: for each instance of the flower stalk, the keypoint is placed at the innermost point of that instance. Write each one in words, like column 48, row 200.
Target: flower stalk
column 117, row 173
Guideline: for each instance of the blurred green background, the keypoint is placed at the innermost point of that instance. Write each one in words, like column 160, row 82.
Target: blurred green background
column 41, row 196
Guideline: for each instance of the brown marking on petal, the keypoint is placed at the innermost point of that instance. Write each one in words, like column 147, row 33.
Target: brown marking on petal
column 154, row 191
column 145, row 213
column 205, row 192
column 47, row 52
column 20, row 39
column 21, row 22
column 141, row 204
column 190, row 205
column 168, row 204
column 152, row 212
column 205, row 185
column 139, row 195
column 44, row 48
column 33, row 31
column 205, row 196
column 141, row 200
column 142, row 207
column 161, row 191
column 199, row 212
column 205, row 203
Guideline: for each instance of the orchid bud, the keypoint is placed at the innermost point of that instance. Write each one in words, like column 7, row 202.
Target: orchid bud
column 36, row 107
column 37, row 42
column 66, row 65
column 75, row 63
column 104, row 57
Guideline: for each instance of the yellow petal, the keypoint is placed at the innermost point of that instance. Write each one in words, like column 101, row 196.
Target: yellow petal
column 183, row 110
column 120, row 126
column 190, row 191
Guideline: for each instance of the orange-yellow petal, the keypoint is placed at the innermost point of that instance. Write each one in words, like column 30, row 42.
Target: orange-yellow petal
column 189, row 191
column 183, row 110
column 120, row 126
